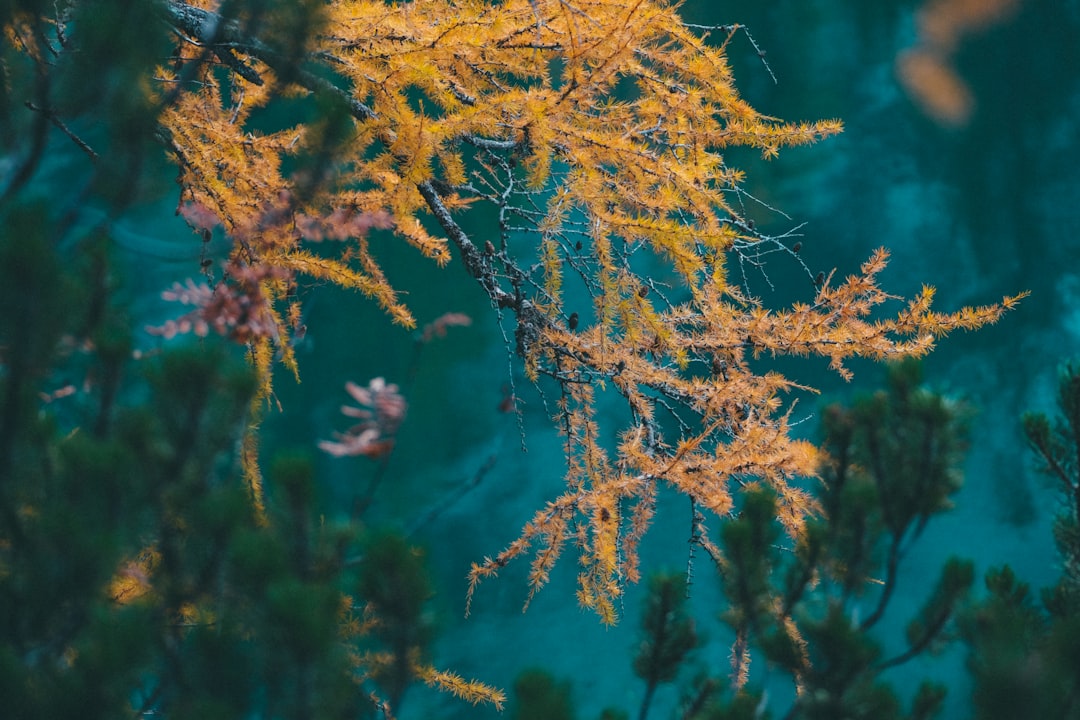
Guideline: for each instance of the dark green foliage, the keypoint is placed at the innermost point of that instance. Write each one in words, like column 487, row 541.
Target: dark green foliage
column 538, row 696
column 1024, row 656
column 1057, row 445
column 1024, row 662
column 750, row 542
column 98, row 86
column 285, row 27
column 894, row 463
column 928, row 700
column 135, row 575
column 912, row 442
column 896, row 459
column 393, row 579
column 669, row 634
column 927, row 630
column 707, row 702
column 852, row 526
column 841, row 680
column 68, row 507
column 330, row 129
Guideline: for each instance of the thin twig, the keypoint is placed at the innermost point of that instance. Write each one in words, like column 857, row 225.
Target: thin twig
column 51, row 117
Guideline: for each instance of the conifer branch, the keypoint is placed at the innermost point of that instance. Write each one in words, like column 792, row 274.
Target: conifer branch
column 892, row 567
column 476, row 263
column 603, row 187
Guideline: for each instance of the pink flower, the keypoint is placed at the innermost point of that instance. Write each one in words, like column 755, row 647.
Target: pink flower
column 236, row 307
column 365, row 442
column 341, row 224
column 199, row 216
column 437, row 328
column 381, row 414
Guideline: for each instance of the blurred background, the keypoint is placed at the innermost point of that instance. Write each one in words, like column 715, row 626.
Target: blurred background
column 960, row 155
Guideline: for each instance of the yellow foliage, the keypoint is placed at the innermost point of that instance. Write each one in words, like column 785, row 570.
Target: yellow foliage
column 473, row 691
column 132, row 580
column 596, row 131
column 927, row 71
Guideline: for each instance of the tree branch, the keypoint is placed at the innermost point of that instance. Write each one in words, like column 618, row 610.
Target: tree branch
column 891, row 569
column 56, row 121
column 477, row 263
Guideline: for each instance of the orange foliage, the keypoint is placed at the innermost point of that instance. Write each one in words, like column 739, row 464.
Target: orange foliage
column 132, row 581
column 943, row 23
column 926, row 71
column 597, row 132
